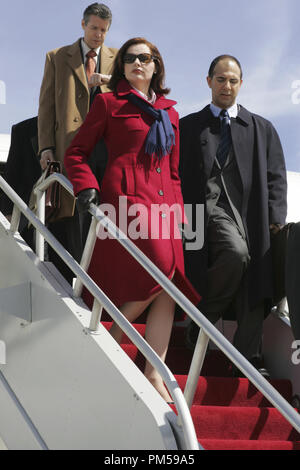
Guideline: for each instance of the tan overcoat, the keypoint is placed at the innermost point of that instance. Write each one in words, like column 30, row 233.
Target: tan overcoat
column 65, row 97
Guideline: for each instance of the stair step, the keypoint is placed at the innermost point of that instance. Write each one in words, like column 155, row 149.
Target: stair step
column 228, row 413
column 225, row 391
column 237, row 444
column 242, row 423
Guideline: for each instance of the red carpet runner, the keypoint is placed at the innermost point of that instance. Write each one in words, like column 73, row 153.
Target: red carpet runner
column 228, row 413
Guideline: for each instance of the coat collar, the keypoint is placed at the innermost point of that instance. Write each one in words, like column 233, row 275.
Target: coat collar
column 242, row 139
column 75, row 61
column 124, row 88
column 242, row 136
column 244, row 115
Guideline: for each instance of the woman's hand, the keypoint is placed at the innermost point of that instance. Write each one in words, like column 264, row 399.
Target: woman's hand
column 85, row 198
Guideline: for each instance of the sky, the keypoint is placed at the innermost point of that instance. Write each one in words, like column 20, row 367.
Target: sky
column 262, row 34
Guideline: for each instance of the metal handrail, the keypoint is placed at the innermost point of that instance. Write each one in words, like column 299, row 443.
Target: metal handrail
column 207, row 329
column 191, row 442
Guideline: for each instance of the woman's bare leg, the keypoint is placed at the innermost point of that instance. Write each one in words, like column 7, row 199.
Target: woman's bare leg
column 158, row 331
column 131, row 311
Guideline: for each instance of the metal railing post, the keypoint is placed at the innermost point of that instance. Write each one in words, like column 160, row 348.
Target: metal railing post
column 86, row 255
column 39, row 239
column 196, row 366
column 96, row 316
column 15, row 219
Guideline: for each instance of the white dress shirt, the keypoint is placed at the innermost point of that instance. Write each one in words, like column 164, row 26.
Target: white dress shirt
column 232, row 111
column 150, row 100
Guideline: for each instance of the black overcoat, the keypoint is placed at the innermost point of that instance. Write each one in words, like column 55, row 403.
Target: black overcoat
column 261, row 165
column 22, row 170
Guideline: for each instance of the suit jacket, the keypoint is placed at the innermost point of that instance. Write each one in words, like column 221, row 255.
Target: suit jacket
column 141, row 180
column 65, row 99
column 261, row 166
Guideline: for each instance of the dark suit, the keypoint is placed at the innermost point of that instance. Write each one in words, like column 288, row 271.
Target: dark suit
column 258, row 176
column 22, row 168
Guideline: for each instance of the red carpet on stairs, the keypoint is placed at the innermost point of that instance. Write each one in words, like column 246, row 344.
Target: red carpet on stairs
column 228, row 413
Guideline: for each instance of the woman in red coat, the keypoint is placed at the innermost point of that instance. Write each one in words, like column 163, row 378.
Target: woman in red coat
column 140, row 128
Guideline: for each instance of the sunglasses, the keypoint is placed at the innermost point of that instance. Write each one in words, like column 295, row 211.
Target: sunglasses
column 143, row 58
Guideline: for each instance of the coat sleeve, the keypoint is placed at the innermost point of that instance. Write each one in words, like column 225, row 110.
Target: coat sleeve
column 47, row 113
column 277, row 183
column 77, row 154
column 176, row 182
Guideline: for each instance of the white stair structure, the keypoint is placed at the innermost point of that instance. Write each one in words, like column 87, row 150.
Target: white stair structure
column 65, row 385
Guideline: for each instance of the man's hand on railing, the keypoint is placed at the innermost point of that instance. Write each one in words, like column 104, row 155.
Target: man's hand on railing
column 85, row 198
column 46, row 157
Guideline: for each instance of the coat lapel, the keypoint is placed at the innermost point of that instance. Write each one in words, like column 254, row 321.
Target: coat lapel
column 242, row 132
column 208, row 141
column 106, row 59
column 75, row 62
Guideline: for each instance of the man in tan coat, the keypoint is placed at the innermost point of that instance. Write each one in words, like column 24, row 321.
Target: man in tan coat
column 67, row 91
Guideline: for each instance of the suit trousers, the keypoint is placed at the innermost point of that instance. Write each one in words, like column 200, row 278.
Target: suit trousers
column 68, row 232
column 226, row 286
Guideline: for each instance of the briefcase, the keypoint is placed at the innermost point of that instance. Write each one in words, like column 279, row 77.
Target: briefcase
column 52, row 196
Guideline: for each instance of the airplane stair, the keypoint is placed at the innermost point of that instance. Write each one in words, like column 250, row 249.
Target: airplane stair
column 54, row 393
column 228, row 413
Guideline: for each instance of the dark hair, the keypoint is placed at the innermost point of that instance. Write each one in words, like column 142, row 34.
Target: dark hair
column 217, row 60
column 97, row 9
column 158, row 79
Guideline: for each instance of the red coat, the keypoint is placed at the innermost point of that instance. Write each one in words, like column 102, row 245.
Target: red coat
column 142, row 180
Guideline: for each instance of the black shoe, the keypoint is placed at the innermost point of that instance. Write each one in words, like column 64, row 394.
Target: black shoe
column 191, row 335
column 258, row 363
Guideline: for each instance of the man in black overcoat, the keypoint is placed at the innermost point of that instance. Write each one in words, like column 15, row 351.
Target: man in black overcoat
column 22, row 169
column 232, row 163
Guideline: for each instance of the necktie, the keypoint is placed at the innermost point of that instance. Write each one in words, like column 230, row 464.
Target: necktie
column 90, row 64
column 225, row 141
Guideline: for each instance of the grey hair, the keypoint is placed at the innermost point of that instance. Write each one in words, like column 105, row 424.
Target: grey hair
column 97, row 9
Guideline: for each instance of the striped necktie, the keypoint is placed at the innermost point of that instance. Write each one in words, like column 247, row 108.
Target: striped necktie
column 225, row 141
column 90, row 63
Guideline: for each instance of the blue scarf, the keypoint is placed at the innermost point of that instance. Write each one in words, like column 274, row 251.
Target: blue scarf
column 161, row 137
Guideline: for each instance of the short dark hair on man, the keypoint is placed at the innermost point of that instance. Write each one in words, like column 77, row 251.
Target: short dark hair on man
column 217, row 60
column 97, row 9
